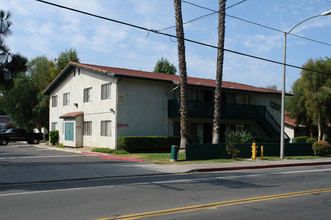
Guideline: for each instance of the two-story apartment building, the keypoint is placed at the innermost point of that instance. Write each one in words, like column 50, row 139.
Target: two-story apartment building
column 93, row 105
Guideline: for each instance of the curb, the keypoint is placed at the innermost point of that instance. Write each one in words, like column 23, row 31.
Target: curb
column 258, row 166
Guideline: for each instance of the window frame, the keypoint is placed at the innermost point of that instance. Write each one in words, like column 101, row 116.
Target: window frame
column 87, row 95
column 105, row 128
column 66, row 98
column 106, row 91
column 54, row 126
column 54, row 101
column 87, row 128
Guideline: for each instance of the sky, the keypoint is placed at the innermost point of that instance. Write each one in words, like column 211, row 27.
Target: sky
column 39, row 29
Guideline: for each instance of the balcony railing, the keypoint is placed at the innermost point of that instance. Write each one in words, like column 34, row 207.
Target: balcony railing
column 201, row 109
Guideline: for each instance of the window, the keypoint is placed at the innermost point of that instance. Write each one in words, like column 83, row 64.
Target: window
column 105, row 128
column 242, row 99
column 66, row 98
column 105, row 91
column 194, row 129
column 176, row 129
column 192, row 94
column 54, row 126
column 54, row 101
column 87, row 95
column 88, row 128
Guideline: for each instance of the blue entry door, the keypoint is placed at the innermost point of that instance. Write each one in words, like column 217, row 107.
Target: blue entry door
column 69, row 131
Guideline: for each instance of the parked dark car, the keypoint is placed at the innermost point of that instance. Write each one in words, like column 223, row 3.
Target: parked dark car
column 18, row 134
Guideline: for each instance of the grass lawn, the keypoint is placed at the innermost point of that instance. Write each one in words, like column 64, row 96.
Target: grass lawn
column 164, row 158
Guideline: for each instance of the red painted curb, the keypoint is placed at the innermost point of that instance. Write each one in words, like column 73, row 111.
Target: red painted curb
column 102, row 156
column 259, row 166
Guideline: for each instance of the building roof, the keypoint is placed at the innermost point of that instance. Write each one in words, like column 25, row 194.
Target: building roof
column 120, row 72
column 290, row 121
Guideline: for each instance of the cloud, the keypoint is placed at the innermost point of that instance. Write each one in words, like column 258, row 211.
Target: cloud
column 262, row 44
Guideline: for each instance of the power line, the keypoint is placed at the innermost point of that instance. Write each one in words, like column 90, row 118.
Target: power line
column 170, row 35
column 203, row 16
column 274, row 29
column 244, row 20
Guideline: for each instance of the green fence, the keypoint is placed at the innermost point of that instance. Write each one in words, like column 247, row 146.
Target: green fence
column 218, row 151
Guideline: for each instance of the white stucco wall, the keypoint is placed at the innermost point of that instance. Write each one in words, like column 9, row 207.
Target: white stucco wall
column 266, row 99
column 289, row 130
column 96, row 111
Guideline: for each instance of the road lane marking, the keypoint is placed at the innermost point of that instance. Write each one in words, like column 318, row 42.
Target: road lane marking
column 215, row 205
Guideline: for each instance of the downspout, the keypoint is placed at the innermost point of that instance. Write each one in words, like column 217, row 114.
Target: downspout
column 167, row 118
column 116, row 112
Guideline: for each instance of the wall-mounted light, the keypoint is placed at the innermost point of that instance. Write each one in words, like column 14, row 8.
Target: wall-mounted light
column 76, row 105
column 112, row 110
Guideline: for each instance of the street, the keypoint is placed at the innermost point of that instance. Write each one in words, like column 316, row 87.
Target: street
column 288, row 193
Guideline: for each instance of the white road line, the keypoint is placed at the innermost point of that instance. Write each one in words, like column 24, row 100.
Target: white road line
column 162, row 182
column 38, row 157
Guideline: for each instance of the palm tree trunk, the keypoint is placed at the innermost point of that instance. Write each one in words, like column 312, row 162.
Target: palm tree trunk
column 184, row 120
column 219, row 73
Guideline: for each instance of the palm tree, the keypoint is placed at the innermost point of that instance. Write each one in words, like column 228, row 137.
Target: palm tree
column 219, row 73
column 184, row 120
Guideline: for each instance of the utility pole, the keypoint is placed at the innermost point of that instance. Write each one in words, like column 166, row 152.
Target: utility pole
column 184, row 119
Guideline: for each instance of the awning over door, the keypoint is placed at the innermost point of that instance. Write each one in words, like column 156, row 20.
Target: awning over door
column 71, row 115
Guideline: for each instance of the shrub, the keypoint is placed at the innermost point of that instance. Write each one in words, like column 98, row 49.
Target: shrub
column 54, row 137
column 121, row 152
column 321, row 148
column 103, row 150
column 311, row 140
column 301, row 139
column 232, row 138
column 60, row 146
column 147, row 144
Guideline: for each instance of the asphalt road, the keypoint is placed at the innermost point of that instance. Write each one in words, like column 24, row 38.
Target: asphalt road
column 288, row 193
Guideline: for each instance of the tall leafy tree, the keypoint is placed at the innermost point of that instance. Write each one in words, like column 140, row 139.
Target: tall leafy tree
column 10, row 64
column 164, row 66
column 64, row 58
column 219, row 73
column 313, row 92
column 30, row 108
column 184, row 118
column 296, row 106
column 19, row 101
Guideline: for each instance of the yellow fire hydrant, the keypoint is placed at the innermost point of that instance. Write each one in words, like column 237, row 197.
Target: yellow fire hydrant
column 254, row 151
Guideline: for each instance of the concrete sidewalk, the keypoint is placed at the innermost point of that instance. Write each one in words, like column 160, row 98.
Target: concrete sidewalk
column 177, row 167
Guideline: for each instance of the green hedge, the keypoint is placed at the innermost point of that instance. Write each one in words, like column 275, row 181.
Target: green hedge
column 147, row 144
column 311, row 140
column 301, row 139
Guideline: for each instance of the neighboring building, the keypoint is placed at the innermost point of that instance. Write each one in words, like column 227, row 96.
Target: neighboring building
column 292, row 129
column 92, row 105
